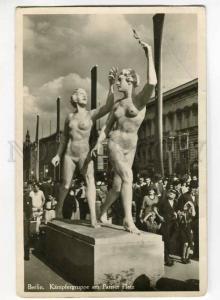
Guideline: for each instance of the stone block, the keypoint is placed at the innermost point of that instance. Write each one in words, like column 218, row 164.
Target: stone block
column 103, row 257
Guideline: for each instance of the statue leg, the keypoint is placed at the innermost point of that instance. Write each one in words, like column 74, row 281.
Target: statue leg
column 112, row 196
column 123, row 166
column 68, row 171
column 88, row 174
column 127, row 194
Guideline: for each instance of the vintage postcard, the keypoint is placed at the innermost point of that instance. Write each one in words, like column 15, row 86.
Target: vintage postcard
column 111, row 117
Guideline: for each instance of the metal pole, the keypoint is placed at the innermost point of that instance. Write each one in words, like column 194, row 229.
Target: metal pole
column 58, row 115
column 158, row 21
column 58, row 169
column 37, row 150
column 94, row 134
column 94, row 87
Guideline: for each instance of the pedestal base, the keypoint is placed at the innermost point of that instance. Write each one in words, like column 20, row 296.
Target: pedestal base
column 103, row 257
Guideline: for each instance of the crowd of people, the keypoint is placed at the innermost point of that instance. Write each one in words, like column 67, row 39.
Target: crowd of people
column 166, row 206
column 170, row 207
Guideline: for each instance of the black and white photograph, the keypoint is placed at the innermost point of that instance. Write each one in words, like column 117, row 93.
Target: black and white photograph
column 111, row 113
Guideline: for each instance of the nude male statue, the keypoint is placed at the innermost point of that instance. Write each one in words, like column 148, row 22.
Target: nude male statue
column 75, row 148
column 127, row 115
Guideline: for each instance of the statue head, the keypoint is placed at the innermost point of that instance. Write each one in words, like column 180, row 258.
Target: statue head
column 127, row 78
column 79, row 96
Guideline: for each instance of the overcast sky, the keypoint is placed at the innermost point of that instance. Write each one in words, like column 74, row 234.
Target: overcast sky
column 60, row 50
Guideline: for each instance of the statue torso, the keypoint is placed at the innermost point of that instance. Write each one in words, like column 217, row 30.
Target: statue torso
column 128, row 121
column 79, row 126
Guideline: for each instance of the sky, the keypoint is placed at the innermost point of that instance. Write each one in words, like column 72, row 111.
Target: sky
column 60, row 50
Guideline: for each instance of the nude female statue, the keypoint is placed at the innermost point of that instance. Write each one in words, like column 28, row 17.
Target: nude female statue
column 75, row 145
column 127, row 115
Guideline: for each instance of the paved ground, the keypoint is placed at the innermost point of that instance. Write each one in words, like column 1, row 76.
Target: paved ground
column 182, row 272
column 38, row 272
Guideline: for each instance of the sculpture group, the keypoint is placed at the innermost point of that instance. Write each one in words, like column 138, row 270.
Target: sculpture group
column 125, row 117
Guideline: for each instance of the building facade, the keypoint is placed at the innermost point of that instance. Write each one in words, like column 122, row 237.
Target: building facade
column 180, row 133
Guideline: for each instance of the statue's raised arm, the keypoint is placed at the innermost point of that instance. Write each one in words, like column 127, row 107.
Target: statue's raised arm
column 151, row 79
column 106, row 108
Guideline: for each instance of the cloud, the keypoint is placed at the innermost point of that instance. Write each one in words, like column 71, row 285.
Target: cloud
column 60, row 50
column 52, row 50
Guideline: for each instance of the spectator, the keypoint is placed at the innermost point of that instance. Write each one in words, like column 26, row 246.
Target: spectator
column 165, row 183
column 184, row 187
column 159, row 186
column 50, row 206
column 149, row 204
column 192, row 196
column 138, row 198
column 27, row 213
column 185, row 217
column 101, row 191
column 150, row 222
column 83, row 204
column 177, row 188
column 38, row 200
column 194, row 182
column 147, row 186
column 168, row 217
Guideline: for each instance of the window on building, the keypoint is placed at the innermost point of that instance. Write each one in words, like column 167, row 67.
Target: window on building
column 149, row 127
column 171, row 121
column 105, row 163
column 46, row 171
column 105, row 150
column 194, row 113
column 179, row 119
column 186, row 117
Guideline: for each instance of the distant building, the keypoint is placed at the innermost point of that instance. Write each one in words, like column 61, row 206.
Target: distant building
column 180, row 133
column 47, row 148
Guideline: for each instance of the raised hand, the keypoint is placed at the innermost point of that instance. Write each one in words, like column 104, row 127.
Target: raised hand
column 112, row 75
column 144, row 45
column 56, row 160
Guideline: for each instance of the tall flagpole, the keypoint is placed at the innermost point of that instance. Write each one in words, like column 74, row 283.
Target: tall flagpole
column 37, row 150
column 158, row 21
column 94, row 134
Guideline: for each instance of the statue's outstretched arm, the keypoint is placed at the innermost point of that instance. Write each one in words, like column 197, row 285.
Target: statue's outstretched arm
column 104, row 133
column 64, row 138
column 106, row 108
column 147, row 91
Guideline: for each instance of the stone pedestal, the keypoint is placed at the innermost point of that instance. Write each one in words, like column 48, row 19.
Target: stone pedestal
column 103, row 256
